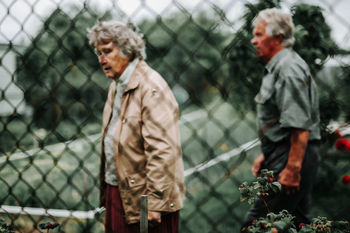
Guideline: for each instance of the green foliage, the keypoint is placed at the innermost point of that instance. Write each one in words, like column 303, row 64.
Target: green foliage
column 196, row 53
column 14, row 132
column 282, row 222
column 4, row 228
column 321, row 224
column 57, row 72
column 344, row 94
column 260, row 188
column 48, row 225
column 336, row 95
column 315, row 45
column 328, row 184
column 187, row 51
column 313, row 36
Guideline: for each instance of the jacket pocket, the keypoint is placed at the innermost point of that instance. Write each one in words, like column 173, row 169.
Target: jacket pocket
column 136, row 180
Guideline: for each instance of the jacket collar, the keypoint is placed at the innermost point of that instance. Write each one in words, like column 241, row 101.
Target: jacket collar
column 126, row 75
column 136, row 77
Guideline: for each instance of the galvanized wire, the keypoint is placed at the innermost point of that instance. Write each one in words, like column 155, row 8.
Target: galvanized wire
column 53, row 91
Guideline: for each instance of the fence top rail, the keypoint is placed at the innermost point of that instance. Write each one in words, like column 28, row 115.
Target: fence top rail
column 61, row 213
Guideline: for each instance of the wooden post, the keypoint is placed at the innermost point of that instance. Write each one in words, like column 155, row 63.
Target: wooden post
column 144, row 214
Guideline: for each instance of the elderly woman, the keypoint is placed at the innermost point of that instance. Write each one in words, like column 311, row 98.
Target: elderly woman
column 141, row 152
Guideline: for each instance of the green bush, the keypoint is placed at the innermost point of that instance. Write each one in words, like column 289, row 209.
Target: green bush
column 282, row 222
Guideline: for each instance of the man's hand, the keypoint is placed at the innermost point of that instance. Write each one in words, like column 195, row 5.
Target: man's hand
column 257, row 165
column 154, row 218
column 290, row 178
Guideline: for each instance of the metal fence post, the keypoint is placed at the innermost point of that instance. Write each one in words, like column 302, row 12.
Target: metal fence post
column 144, row 214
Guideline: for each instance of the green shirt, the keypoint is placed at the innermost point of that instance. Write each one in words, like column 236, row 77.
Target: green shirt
column 287, row 98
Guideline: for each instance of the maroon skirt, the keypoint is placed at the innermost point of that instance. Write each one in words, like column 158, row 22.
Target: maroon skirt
column 115, row 221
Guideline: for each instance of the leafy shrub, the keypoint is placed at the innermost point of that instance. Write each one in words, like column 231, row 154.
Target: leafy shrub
column 4, row 228
column 282, row 222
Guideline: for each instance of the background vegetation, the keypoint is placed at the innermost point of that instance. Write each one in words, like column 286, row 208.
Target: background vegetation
column 212, row 71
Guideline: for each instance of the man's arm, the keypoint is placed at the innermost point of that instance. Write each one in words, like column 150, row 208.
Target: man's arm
column 290, row 176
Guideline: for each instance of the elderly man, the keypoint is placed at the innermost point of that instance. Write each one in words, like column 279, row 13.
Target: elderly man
column 288, row 118
column 141, row 152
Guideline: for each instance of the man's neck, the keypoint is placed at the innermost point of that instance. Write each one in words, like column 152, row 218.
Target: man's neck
column 274, row 52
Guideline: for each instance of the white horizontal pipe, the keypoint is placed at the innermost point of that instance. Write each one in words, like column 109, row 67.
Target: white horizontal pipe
column 223, row 157
column 60, row 213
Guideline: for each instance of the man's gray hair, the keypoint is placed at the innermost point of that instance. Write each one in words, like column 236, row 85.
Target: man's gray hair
column 125, row 37
column 277, row 23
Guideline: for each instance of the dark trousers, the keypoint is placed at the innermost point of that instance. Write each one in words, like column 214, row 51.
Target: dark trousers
column 297, row 204
column 115, row 220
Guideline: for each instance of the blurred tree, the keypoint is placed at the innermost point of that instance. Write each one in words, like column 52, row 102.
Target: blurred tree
column 187, row 50
column 196, row 53
column 315, row 45
column 313, row 36
column 344, row 91
column 58, row 71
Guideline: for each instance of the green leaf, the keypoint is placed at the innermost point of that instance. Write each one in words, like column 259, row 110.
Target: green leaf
column 282, row 225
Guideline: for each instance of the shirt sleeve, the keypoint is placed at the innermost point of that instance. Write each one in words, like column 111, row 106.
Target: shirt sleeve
column 293, row 101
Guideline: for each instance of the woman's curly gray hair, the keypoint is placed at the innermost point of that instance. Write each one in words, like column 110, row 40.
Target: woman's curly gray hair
column 277, row 23
column 125, row 37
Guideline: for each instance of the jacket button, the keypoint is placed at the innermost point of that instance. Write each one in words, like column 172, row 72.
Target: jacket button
column 132, row 181
column 172, row 205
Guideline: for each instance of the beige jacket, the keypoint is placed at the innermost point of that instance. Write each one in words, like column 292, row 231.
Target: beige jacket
column 147, row 148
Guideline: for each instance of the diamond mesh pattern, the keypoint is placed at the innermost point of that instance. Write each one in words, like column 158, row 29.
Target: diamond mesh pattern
column 53, row 92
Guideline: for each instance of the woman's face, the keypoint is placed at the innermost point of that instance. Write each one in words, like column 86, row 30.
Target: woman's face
column 111, row 60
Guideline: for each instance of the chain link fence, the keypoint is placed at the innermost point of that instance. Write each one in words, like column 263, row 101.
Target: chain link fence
column 53, row 92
